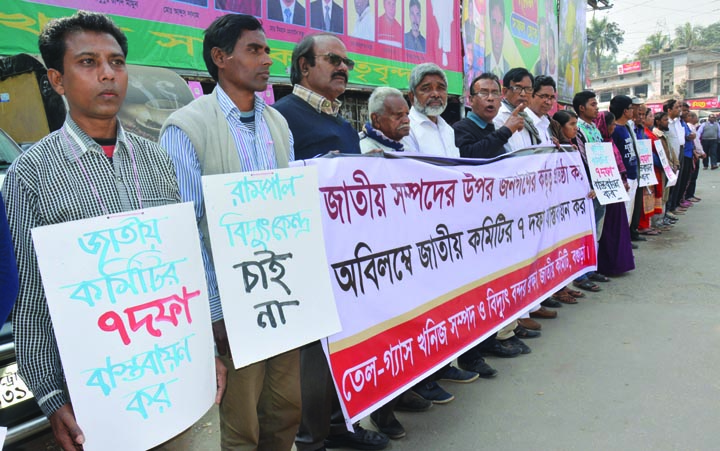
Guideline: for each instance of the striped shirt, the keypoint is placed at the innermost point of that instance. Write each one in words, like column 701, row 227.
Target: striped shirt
column 318, row 102
column 67, row 177
column 256, row 153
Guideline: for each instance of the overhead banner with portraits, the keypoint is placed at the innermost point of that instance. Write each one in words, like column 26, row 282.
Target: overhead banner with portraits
column 499, row 35
column 386, row 38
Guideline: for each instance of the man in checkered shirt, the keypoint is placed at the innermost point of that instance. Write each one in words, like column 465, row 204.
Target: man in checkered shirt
column 90, row 167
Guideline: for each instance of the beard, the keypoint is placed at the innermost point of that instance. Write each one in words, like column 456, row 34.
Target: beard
column 429, row 110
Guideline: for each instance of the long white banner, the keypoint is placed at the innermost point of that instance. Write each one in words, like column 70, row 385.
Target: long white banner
column 428, row 260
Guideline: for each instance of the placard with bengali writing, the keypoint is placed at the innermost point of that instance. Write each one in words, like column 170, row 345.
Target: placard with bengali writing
column 128, row 301
column 606, row 179
column 269, row 256
column 427, row 260
column 646, row 171
column 667, row 169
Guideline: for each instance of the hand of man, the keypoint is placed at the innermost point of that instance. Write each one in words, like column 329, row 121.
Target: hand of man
column 515, row 122
column 591, row 194
column 627, row 186
column 221, row 377
column 66, row 430
column 691, row 136
column 221, row 339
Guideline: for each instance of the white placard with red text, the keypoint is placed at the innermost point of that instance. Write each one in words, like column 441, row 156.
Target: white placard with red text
column 427, row 260
column 128, row 300
column 606, row 179
column 269, row 255
column 646, row 172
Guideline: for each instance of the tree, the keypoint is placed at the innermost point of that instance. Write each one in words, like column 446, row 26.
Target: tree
column 653, row 45
column 603, row 37
column 710, row 36
column 687, row 36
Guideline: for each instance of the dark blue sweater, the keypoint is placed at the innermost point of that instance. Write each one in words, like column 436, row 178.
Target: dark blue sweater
column 316, row 133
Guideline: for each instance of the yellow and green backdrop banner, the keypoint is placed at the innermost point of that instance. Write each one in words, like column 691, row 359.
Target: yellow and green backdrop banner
column 385, row 37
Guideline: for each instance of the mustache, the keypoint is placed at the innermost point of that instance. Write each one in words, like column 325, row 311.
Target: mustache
column 340, row 74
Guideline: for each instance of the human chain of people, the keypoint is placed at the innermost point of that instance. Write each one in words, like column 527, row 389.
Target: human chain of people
column 273, row 253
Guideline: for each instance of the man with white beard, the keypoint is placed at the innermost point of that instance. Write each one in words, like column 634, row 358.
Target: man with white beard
column 429, row 133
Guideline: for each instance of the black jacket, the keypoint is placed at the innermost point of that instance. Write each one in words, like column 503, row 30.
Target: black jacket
column 475, row 142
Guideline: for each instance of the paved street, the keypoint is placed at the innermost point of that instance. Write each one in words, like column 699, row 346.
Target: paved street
column 634, row 367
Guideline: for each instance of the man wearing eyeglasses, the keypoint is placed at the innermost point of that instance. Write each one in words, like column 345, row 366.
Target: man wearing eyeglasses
column 540, row 103
column 319, row 74
column 517, row 89
column 475, row 135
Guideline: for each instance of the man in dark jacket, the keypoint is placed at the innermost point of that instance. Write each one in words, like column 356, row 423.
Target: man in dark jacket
column 475, row 135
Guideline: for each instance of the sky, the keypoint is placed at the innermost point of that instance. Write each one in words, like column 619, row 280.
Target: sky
column 641, row 18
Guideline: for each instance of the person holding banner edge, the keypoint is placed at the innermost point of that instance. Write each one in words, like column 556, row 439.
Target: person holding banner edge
column 233, row 130
column 431, row 135
column 116, row 170
column 319, row 74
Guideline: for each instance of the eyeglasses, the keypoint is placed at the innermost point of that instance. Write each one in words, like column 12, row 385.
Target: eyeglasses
column 335, row 60
column 546, row 97
column 519, row 89
column 487, row 94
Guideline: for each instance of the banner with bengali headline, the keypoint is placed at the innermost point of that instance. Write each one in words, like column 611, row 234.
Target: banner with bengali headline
column 386, row 42
column 129, row 307
column 428, row 260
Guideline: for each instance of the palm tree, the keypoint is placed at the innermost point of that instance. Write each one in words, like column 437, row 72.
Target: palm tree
column 603, row 36
column 687, row 36
column 653, row 45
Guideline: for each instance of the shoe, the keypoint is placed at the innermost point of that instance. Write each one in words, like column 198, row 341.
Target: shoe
column 499, row 348
column 634, row 246
column 479, row 366
column 678, row 211
column 550, row 302
column 686, row 203
column 714, row 167
column 671, row 216
column 543, row 313
column 518, row 343
column 637, row 238
column 694, row 199
column 529, row 324
column 390, row 427
column 433, row 392
column 521, row 332
column 453, row 374
column 360, row 439
column 412, row 402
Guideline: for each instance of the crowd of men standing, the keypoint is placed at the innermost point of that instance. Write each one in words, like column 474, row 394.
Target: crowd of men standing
column 290, row 399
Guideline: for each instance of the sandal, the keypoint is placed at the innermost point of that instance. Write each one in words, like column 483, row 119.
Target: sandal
column 650, row 232
column 597, row 277
column 587, row 286
column 574, row 293
column 564, row 297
